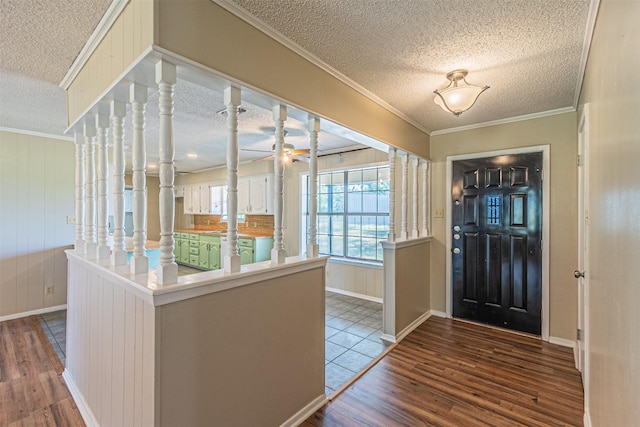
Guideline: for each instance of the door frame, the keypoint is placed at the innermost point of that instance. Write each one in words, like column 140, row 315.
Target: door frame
column 583, row 252
column 546, row 186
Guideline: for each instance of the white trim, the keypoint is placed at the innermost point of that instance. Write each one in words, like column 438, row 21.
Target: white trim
column 399, row 244
column 355, row 262
column 39, row 134
column 546, row 197
column 390, row 339
column 562, row 341
column 354, row 294
column 290, row 44
column 437, row 313
column 78, row 398
column 145, row 286
column 304, row 413
column 33, row 312
column 586, row 45
column 108, row 19
column 505, row 121
column 586, row 420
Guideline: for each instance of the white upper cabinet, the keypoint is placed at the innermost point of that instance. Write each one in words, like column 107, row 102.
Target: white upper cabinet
column 255, row 195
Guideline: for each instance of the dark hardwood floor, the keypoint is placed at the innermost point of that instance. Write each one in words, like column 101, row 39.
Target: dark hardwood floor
column 32, row 392
column 452, row 373
column 445, row 373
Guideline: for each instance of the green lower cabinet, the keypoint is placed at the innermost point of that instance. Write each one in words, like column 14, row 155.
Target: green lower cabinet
column 184, row 251
column 209, row 252
column 246, row 254
column 176, row 246
column 254, row 249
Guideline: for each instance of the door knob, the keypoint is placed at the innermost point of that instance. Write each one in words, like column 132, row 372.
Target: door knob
column 578, row 274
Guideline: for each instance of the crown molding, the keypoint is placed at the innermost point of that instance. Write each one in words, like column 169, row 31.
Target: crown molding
column 262, row 26
column 38, row 134
column 108, row 19
column 505, row 121
column 586, row 46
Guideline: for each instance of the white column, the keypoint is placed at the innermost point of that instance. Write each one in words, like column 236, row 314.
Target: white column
column 102, row 127
column 167, row 272
column 414, row 201
column 426, row 198
column 118, row 112
column 277, row 253
column 392, row 194
column 404, row 235
column 314, row 128
column 80, row 242
column 138, row 99
column 232, row 98
column 90, row 191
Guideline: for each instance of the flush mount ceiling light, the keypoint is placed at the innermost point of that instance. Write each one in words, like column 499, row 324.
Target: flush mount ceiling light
column 459, row 95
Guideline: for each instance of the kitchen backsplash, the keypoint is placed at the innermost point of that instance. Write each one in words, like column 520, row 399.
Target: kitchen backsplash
column 252, row 223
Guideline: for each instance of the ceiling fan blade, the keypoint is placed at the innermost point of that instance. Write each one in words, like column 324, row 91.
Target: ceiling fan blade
column 257, row 151
column 306, row 151
column 297, row 157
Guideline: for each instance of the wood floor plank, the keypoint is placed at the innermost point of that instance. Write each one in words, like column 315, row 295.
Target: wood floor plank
column 32, row 392
column 449, row 372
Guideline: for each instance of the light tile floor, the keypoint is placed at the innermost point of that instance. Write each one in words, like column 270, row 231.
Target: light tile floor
column 352, row 336
column 54, row 326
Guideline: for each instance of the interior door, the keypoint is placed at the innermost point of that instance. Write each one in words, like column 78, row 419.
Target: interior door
column 497, row 241
column 581, row 274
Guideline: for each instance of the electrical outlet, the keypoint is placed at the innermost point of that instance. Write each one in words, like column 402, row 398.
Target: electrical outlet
column 48, row 290
column 438, row 213
column 71, row 219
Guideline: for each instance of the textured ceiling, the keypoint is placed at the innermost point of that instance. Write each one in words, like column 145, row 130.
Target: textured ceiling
column 527, row 51
column 41, row 38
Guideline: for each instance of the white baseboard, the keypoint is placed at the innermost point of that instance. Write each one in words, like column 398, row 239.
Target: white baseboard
column 306, row 412
column 33, row 312
column 587, row 418
column 438, row 313
column 567, row 343
column 390, row 339
column 354, row 294
column 85, row 411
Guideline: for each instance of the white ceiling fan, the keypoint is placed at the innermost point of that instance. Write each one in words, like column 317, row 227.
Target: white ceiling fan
column 290, row 153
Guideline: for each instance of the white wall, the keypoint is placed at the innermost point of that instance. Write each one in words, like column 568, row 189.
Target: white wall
column 36, row 194
column 612, row 89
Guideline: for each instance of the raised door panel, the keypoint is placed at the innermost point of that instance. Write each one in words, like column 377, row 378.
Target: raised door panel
column 216, row 200
column 188, row 200
column 214, row 256
column 244, row 200
column 195, row 199
column 258, row 196
column 176, row 248
column 184, row 251
column 246, row 255
column 205, row 199
column 203, row 255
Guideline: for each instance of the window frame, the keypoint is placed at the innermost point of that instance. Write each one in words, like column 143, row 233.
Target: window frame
column 345, row 214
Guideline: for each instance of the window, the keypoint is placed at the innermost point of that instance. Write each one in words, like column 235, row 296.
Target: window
column 353, row 212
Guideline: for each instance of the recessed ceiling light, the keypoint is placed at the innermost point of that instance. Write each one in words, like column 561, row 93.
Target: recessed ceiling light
column 192, row 155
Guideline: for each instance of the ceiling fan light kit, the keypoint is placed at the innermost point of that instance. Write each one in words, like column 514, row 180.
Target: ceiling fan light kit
column 458, row 96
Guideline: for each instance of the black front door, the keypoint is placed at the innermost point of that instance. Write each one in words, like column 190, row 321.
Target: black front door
column 497, row 241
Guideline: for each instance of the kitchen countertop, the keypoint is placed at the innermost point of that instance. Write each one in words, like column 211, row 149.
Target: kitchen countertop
column 256, row 235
